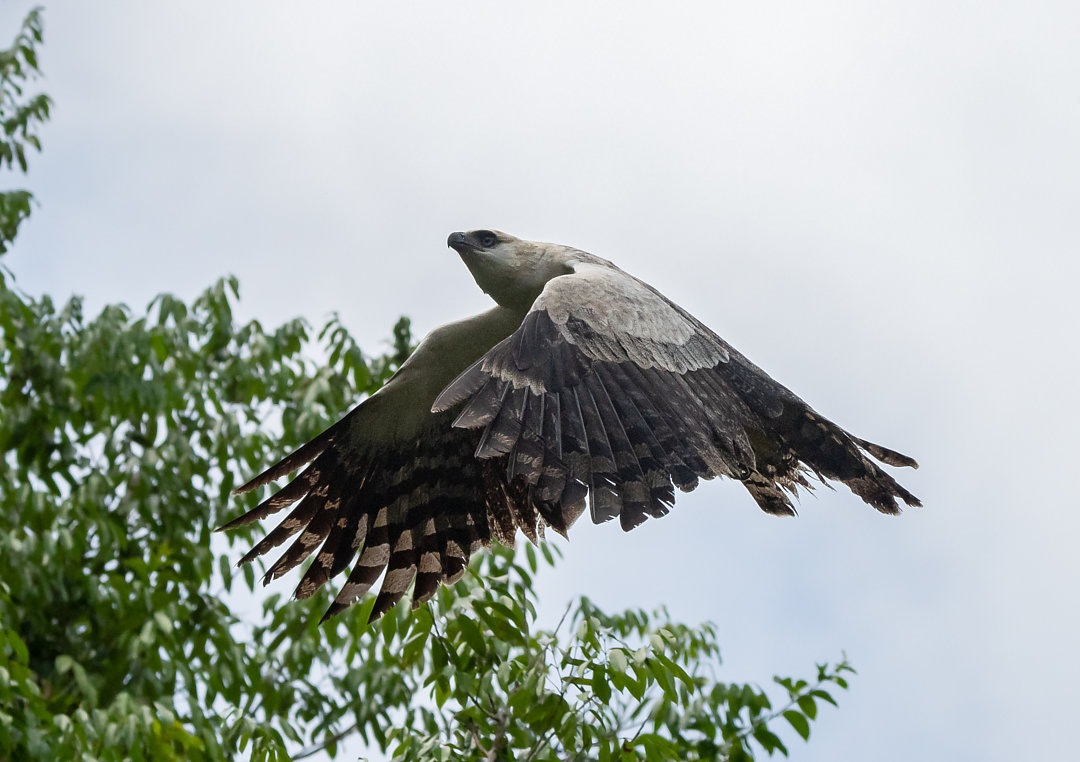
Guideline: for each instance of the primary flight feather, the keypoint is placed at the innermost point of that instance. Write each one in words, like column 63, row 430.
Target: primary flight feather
column 583, row 385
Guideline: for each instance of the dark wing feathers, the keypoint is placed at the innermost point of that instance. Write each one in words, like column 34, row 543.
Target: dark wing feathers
column 287, row 465
column 657, row 428
column 620, row 399
column 640, row 415
column 414, row 514
column 283, row 498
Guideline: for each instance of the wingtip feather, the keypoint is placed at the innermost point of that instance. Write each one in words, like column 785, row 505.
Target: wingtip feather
column 887, row 456
column 291, row 462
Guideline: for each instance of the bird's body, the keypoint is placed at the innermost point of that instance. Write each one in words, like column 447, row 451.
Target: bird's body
column 582, row 382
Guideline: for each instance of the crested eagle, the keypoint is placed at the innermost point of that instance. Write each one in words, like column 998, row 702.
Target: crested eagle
column 582, row 385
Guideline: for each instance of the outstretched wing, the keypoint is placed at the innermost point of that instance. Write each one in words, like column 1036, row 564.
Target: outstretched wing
column 608, row 384
column 416, row 512
column 394, row 489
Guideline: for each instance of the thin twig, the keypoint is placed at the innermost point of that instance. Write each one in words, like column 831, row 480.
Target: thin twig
column 641, row 727
column 446, row 647
column 316, row 748
column 545, row 740
column 476, row 738
column 765, row 720
column 562, row 619
column 500, row 734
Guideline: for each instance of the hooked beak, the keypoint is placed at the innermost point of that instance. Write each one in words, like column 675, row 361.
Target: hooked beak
column 457, row 242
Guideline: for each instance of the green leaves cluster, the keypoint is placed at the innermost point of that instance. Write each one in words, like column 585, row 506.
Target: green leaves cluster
column 628, row 686
column 122, row 436
column 127, row 634
column 20, row 117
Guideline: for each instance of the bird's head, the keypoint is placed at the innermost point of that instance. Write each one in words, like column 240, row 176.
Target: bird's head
column 511, row 271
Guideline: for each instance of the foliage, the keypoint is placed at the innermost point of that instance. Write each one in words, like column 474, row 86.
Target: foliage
column 632, row 685
column 121, row 633
column 20, row 116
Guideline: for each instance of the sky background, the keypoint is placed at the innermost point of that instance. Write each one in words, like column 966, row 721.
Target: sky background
column 877, row 202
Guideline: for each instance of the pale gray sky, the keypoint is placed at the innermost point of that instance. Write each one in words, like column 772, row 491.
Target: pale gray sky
column 876, row 201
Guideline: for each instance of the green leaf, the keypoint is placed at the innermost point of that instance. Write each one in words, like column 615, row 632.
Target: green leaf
column 663, row 679
column 768, row 740
column 472, row 635
column 22, row 654
column 680, row 673
column 798, row 721
column 808, row 707
column 157, row 343
column 599, row 683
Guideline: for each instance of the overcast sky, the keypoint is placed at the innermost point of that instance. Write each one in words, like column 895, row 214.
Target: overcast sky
column 877, row 202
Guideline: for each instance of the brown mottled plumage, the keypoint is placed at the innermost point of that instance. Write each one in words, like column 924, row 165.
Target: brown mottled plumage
column 582, row 382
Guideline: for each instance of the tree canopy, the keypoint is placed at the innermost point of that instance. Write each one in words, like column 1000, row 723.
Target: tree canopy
column 126, row 632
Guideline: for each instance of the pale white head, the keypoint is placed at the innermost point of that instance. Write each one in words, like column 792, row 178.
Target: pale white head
column 511, row 271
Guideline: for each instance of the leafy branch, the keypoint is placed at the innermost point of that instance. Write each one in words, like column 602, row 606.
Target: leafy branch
column 21, row 116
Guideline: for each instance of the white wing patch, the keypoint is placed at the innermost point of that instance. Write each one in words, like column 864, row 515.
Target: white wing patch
column 626, row 320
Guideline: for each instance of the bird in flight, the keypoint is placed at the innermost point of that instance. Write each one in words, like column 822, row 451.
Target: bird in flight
column 582, row 386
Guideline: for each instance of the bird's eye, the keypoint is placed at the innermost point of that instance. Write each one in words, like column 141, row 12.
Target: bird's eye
column 486, row 238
